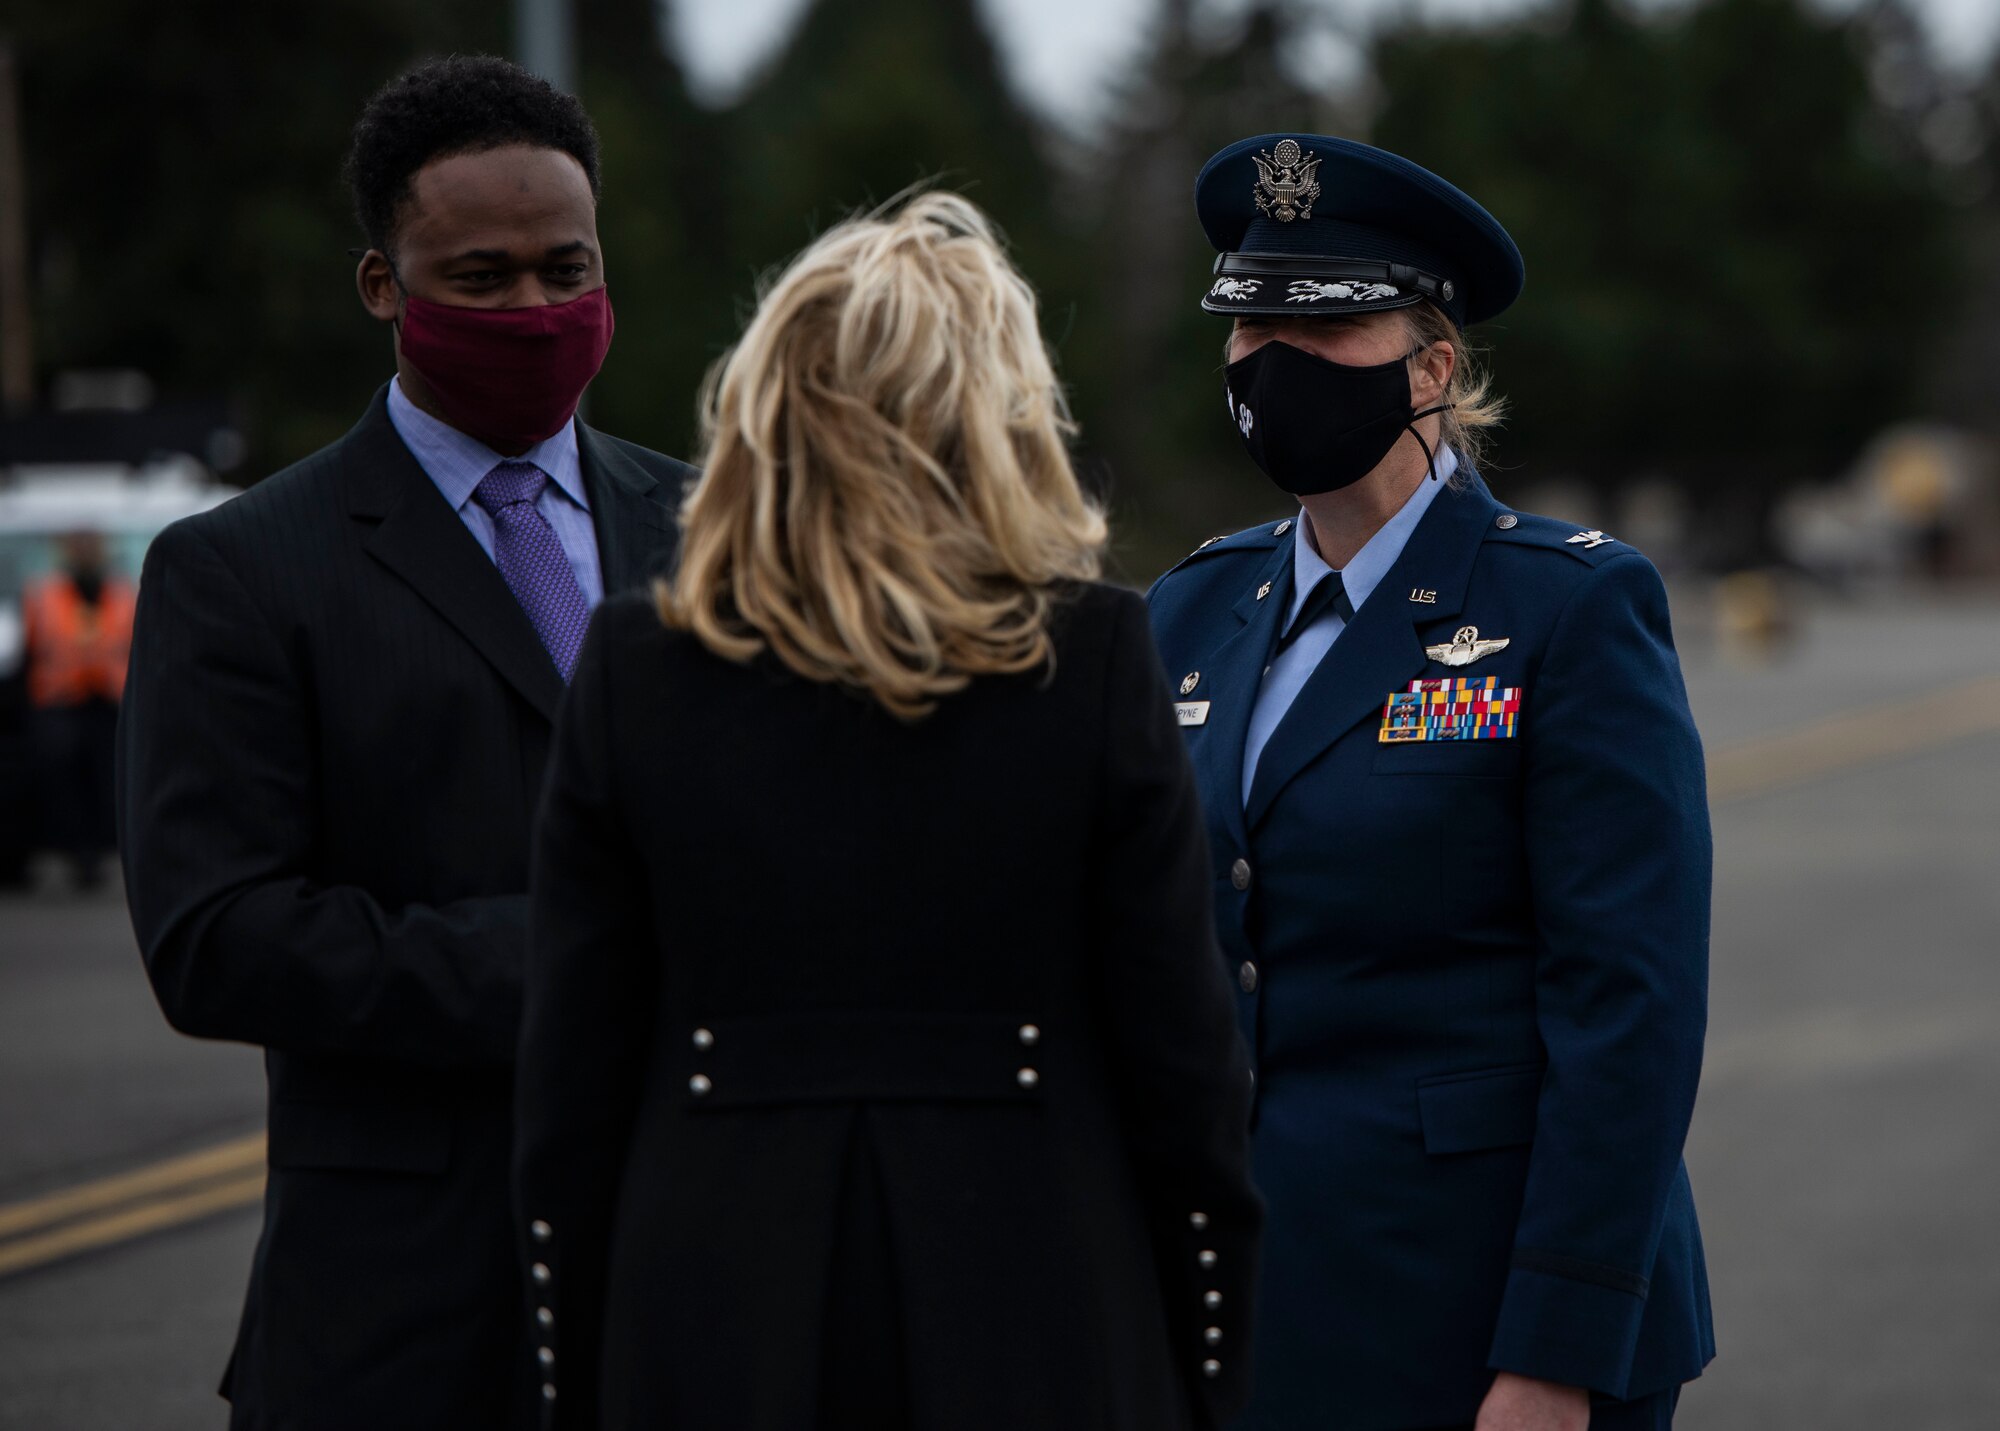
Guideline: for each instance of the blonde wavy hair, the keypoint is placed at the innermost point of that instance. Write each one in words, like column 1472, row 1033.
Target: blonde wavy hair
column 886, row 499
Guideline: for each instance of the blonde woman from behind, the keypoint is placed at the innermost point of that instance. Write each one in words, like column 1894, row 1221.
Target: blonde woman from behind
column 879, row 1069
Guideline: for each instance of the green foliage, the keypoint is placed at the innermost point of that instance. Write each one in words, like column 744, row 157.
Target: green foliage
column 1736, row 252
column 185, row 194
column 1731, row 257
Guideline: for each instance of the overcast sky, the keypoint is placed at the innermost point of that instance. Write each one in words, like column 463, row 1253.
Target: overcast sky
column 1060, row 51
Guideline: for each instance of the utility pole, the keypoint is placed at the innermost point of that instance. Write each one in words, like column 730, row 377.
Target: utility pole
column 17, row 345
column 545, row 41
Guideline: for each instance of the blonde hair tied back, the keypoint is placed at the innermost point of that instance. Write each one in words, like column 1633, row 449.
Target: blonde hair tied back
column 887, row 500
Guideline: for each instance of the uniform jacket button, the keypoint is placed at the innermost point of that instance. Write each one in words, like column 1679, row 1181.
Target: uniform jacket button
column 1213, row 1336
column 1239, row 874
column 1211, row 1367
column 548, row 1391
column 545, row 1319
column 703, row 1039
column 1211, row 1300
column 1030, row 1035
column 1198, row 1220
column 1027, row 1078
column 1207, row 1258
column 699, row 1085
column 540, row 1230
column 1246, row 977
column 540, row 1272
column 546, row 1356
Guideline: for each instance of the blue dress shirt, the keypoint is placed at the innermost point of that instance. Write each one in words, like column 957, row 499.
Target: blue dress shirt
column 457, row 464
column 1293, row 666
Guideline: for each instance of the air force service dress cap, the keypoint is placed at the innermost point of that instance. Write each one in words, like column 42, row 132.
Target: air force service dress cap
column 1309, row 224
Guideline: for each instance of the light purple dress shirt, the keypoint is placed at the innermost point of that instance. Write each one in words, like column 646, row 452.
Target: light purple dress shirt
column 456, row 464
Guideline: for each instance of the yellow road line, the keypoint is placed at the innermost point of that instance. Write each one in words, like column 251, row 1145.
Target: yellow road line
column 1855, row 738
column 171, row 1175
column 123, row 1224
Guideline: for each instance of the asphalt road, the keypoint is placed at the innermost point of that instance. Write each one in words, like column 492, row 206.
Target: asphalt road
column 1845, row 1152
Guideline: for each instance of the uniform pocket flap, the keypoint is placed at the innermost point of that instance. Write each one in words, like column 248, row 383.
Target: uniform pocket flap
column 1491, row 1108
column 339, row 1135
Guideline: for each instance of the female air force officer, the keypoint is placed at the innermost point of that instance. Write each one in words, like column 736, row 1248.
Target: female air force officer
column 1460, row 843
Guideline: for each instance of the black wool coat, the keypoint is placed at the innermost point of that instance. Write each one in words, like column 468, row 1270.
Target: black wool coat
column 332, row 743
column 879, row 1074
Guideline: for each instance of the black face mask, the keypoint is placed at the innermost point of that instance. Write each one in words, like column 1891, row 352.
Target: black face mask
column 1315, row 426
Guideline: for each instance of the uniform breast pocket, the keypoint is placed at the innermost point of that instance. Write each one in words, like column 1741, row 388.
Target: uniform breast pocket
column 1493, row 759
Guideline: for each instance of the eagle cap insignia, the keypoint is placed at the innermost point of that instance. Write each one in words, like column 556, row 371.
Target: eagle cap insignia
column 1287, row 182
column 1465, row 647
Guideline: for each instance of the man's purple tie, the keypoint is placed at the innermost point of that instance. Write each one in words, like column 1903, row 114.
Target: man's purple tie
column 532, row 561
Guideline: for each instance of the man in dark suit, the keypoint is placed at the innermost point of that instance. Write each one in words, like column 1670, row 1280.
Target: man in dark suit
column 339, row 709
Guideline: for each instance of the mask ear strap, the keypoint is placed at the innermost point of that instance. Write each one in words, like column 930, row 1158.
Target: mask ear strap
column 1429, row 459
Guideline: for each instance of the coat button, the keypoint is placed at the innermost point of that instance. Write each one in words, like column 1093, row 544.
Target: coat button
column 547, row 1357
column 699, row 1085
column 704, row 1040
column 1197, row 1220
column 1207, row 1258
column 1239, row 874
column 548, row 1391
column 1211, row 1300
column 540, row 1230
column 545, row 1319
column 1211, row 1368
column 1213, row 1336
column 540, row 1272
column 1030, row 1035
column 1246, row 977
column 1027, row 1078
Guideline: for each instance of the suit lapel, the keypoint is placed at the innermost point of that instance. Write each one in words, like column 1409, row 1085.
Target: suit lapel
column 419, row 538
column 1237, row 666
column 1380, row 652
column 637, row 529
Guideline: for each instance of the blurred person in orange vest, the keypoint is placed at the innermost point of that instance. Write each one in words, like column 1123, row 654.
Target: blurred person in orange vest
column 79, row 636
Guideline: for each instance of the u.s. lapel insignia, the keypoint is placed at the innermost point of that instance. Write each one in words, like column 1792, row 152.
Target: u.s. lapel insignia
column 1189, row 682
column 1423, row 596
column 1191, row 712
column 1263, row 591
column 1590, row 540
column 1465, row 647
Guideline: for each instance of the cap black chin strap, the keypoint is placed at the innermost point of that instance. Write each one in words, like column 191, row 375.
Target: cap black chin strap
column 1429, row 460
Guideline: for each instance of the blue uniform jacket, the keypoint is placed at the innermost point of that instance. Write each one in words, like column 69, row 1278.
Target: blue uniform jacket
column 1473, row 971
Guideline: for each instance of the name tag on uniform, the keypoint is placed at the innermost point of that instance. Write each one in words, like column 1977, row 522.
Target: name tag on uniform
column 1191, row 712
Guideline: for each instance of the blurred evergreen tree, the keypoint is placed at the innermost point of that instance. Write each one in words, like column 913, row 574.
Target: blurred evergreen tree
column 186, row 211
column 1148, row 362
column 664, row 187
column 867, row 98
column 1735, row 255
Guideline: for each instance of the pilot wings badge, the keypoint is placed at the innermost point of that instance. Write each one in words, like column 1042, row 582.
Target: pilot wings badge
column 1287, row 182
column 1464, row 648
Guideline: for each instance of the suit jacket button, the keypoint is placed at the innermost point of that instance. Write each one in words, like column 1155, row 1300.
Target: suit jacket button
column 1246, row 977
column 1239, row 874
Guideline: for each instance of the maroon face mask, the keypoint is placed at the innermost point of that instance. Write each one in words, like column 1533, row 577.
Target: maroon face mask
column 508, row 376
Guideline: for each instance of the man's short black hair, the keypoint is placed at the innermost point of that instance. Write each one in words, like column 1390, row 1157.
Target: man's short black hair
column 466, row 104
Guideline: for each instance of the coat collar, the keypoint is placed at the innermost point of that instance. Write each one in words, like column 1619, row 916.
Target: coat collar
column 1380, row 651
